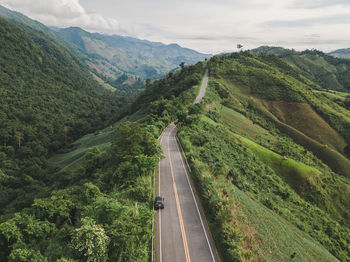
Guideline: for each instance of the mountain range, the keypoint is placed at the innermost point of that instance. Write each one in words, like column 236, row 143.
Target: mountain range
column 112, row 55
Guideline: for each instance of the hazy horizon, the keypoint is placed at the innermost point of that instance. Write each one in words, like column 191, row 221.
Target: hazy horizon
column 202, row 25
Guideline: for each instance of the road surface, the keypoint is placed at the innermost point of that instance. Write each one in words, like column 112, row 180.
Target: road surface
column 203, row 88
column 182, row 233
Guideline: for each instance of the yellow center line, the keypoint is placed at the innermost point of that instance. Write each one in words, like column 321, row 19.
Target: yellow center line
column 182, row 227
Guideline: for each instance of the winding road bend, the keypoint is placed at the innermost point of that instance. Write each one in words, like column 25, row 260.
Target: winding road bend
column 182, row 233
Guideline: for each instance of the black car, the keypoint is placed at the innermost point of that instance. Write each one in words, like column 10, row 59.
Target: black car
column 159, row 202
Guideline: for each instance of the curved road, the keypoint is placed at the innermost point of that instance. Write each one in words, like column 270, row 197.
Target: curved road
column 182, row 233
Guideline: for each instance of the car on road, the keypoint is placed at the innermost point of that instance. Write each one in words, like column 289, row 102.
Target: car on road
column 159, row 202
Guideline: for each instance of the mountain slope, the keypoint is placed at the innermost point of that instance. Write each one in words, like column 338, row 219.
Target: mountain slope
column 131, row 55
column 48, row 99
column 111, row 56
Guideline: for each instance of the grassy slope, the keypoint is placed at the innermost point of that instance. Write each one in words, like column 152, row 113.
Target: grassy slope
column 265, row 233
column 304, row 118
column 293, row 172
column 277, row 93
column 307, row 120
column 271, row 237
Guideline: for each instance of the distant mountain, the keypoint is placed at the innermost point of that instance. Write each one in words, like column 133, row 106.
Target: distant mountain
column 138, row 57
column 341, row 53
column 112, row 56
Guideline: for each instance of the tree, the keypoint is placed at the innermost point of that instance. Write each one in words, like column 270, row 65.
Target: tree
column 91, row 241
column 132, row 140
column 182, row 65
column 239, row 47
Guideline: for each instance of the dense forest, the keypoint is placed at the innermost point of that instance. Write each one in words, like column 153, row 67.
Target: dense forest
column 48, row 99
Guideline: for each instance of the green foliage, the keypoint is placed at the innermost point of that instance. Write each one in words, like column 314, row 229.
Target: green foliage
column 102, row 213
column 168, row 99
column 133, row 153
column 47, row 100
column 261, row 78
column 24, row 255
column 91, row 241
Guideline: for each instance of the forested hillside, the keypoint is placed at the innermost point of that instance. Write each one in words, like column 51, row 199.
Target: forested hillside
column 48, row 99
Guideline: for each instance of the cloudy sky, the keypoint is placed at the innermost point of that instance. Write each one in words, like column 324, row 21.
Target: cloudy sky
column 204, row 25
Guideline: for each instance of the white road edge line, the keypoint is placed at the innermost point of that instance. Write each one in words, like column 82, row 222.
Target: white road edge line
column 159, row 212
column 195, row 201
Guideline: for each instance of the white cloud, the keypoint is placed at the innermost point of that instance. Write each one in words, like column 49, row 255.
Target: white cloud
column 64, row 13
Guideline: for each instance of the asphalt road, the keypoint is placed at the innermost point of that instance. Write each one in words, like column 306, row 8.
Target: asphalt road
column 182, row 233
column 203, row 88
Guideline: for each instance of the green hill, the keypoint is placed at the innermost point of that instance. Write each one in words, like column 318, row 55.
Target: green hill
column 326, row 70
column 102, row 70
